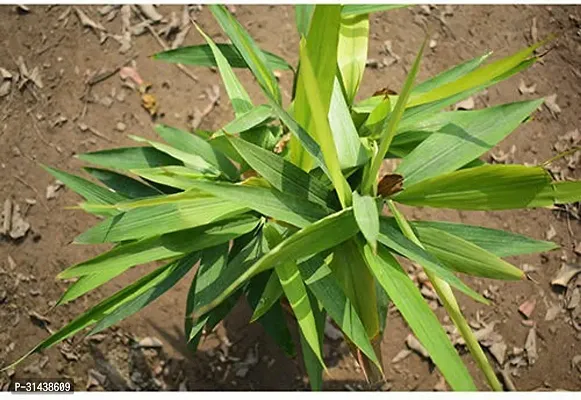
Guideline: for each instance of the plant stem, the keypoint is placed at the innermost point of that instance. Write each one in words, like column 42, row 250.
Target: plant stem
column 445, row 294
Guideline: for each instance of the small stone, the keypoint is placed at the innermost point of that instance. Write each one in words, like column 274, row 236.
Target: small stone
column 120, row 126
column 150, row 342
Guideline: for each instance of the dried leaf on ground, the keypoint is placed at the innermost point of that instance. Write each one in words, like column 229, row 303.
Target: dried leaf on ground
column 524, row 89
column 52, row 189
column 527, row 308
column 441, row 386
column 149, row 102
column 18, row 226
column 551, row 233
column 131, row 73
column 467, row 104
column 531, row 346
column 576, row 363
column 534, row 31
column 552, row 312
column 403, row 354
column 551, row 104
column 6, row 217
column 149, row 11
column 415, row 345
column 565, row 274
column 88, row 22
column 574, row 299
column 498, row 351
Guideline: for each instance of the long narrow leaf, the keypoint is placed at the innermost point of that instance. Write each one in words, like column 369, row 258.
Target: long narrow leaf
column 157, row 220
column 282, row 206
column 422, row 321
column 489, row 187
column 196, row 145
column 500, row 243
column 322, row 131
column 391, row 236
column 248, row 49
column 203, row 56
column 352, row 51
column 319, row 236
column 281, row 174
column 461, row 137
column 466, row 257
column 110, row 304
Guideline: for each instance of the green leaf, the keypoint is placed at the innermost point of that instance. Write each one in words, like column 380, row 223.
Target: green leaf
column 370, row 180
column 461, row 136
column 489, row 187
column 86, row 283
column 327, row 289
column 239, row 98
column 352, row 52
column 282, row 206
column 191, row 161
column 90, row 191
column 366, row 213
column 319, row 236
column 203, row 56
column 422, row 321
column 304, row 139
column 296, row 292
column 500, row 243
column 349, row 149
column 375, row 122
column 303, row 15
column 127, row 158
column 148, row 294
column 109, row 305
column 123, row 184
column 312, row 364
column 270, row 295
column 281, row 174
column 214, row 257
column 415, row 115
column 557, row 193
column 321, row 51
column 156, row 220
column 174, row 176
column 466, row 257
column 319, row 109
column 162, row 247
column 357, row 9
column 391, row 236
column 195, row 145
column 272, row 319
column 248, row 49
column 212, row 285
column 475, row 78
column 250, row 119
column 450, row 75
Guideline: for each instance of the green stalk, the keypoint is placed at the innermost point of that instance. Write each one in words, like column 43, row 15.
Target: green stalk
column 445, row 294
column 370, row 180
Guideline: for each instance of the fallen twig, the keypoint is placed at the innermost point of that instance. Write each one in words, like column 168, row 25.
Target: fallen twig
column 50, row 46
column 33, row 189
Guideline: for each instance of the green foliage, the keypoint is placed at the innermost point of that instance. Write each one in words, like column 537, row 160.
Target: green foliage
column 306, row 228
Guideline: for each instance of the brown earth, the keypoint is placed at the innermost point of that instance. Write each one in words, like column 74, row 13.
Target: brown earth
column 66, row 54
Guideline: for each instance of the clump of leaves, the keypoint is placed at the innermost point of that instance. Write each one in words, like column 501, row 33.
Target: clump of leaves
column 283, row 205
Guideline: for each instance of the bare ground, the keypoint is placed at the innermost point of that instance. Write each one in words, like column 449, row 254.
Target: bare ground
column 32, row 133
